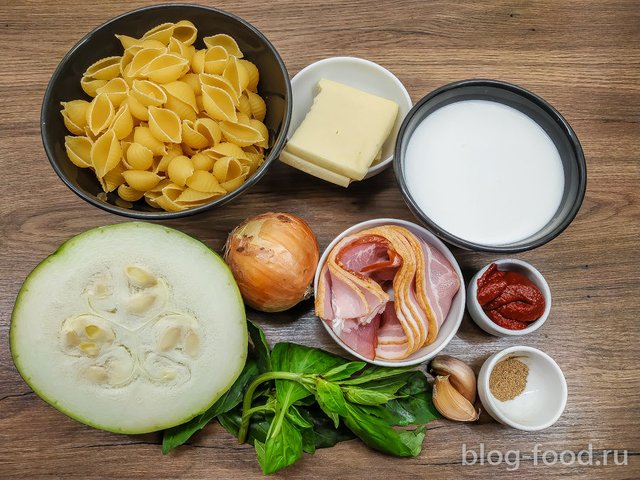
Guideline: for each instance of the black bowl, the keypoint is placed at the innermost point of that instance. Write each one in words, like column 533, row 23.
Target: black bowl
column 558, row 129
column 64, row 85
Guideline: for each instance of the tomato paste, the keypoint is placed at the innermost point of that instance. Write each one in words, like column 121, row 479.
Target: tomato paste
column 509, row 298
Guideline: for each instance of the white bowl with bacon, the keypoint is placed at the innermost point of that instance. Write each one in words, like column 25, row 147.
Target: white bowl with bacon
column 389, row 292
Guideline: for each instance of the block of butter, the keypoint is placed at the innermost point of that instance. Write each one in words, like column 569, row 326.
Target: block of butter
column 342, row 133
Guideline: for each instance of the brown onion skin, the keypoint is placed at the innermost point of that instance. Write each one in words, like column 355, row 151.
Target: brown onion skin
column 273, row 258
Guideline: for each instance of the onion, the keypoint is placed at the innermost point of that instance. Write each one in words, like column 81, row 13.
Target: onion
column 273, row 258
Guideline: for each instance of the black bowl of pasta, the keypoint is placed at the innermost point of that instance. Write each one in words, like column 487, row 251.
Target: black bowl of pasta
column 166, row 111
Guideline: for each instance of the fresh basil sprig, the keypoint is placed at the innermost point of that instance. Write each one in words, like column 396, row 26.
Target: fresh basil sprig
column 294, row 399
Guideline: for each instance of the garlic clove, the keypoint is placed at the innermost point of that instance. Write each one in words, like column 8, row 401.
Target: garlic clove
column 450, row 403
column 460, row 375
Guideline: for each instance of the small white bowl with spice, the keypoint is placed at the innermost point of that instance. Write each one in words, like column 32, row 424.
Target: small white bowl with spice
column 523, row 387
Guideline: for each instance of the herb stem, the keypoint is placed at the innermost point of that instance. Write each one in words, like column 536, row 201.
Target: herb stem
column 247, row 411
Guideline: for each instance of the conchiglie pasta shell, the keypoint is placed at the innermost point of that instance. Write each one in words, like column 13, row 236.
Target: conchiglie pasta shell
column 210, row 129
column 74, row 114
column 235, row 183
column 243, row 119
column 203, row 160
column 104, row 69
column 180, row 169
column 141, row 59
column 143, row 135
column 122, row 123
column 151, row 201
column 141, row 180
column 129, row 194
column 262, row 128
column 253, row 74
column 183, row 92
column 126, row 41
column 191, row 137
column 165, row 125
column 235, row 75
column 106, row 153
column 116, row 89
column 258, row 107
column 243, row 104
column 184, row 111
column 162, row 33
column 193, row 80
column 204, row 182
column 173, row 152
column 113, row 178
column 227, row 168
column 100, row 114
column 138, row 157
column 89, row 85
column 220, row 82
column 215, row 59
column 197, row 61
column 167, row 199
column 218, row 104
column 166, row 68
column 225, row 41
column 137, row 109
column 148, row 93
column 242, row 135
column 226, row 149
column 78, row 150
column 185, row 32
column 191, row 198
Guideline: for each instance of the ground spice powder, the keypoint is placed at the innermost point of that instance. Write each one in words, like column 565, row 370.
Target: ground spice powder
column 508, row 379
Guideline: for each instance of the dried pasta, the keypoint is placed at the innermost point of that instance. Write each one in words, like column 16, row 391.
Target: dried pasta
column 167, row 122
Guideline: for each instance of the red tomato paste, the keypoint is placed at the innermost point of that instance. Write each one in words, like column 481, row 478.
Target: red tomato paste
column 509, row 299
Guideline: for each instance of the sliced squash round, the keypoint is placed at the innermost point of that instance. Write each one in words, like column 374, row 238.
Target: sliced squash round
column 130, row 328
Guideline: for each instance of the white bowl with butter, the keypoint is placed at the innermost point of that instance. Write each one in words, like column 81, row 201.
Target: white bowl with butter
column 358, row 73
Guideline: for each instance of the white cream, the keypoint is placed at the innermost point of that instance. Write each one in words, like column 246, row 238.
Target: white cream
column 484, row 172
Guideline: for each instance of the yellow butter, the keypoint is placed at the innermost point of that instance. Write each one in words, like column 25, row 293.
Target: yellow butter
column 319, row 172
column 344, row 130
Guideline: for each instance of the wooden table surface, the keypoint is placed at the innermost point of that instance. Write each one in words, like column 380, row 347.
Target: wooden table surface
column 583, row 57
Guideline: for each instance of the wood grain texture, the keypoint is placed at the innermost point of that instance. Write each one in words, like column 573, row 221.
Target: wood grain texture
column 584, row 57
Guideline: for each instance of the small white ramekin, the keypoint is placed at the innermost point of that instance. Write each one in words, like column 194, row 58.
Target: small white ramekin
column 481, row 318
column 451, row 324
column 356, row 72
column 543, row 400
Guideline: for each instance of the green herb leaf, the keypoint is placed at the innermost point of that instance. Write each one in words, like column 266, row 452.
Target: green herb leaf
column 290, row 357
column 297, row 419
column 344, row 371
column 373, row 372
column 326, row 435
column 376, row 433
column 414, row 405
column 258, row 428
column 331, row 400
column 261, row 350
column 281, row 449
column 176, row 436
column 363, row 396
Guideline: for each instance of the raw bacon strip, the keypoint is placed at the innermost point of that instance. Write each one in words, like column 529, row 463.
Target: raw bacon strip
column 351, row 293
column 362, row 339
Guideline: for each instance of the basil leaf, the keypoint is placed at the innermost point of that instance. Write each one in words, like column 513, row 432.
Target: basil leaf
column 261, row 350
column 176, row 436
column 363, row 396
column 331, row 400
column 376, row 433
column 297, row 419
column 326, row 435
column 258, row 428
column 290, row 357
column 414, row 405
column 374, row 372
column 388, row 385
column 280, row 450
column 344, row 371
